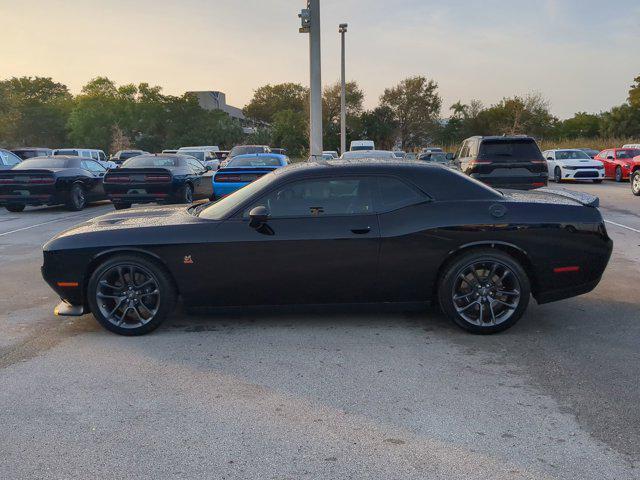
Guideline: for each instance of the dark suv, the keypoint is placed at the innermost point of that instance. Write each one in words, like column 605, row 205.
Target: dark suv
column 504, row 162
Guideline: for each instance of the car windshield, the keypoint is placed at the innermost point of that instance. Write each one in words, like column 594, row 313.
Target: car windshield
column 151, row 162
column 67, row 152
column 361, row 147
column 245, row 150
column 510, row 150
column 572, row 155
column 42, row 162
column 25, row 154
column 435, row 157
column 375, row 154
column 629, row 153
column 127, row 155
column 199, row 155
column 257, row 161
column 226, row 205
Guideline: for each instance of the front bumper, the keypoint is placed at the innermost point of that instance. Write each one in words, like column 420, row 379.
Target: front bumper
column 64, row 309
column 582, row 174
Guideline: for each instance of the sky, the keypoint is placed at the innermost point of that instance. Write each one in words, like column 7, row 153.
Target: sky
column 582, row 55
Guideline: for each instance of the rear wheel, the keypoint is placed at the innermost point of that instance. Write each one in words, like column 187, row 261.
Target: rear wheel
column 77, row 198
column 121, row 206
column 484, row 291
column 635, row 183
column 15, row 208
column 618, row 174
column 130, row 295
column 557, row 175
column 186, row 194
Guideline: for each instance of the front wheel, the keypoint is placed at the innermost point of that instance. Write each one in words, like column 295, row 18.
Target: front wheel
column 77, row 198
column 186, row 194
column 635, row 183
column 557, row 175
column 618, row 174
column 130, row 295
column 15, row 208
column 484, row 291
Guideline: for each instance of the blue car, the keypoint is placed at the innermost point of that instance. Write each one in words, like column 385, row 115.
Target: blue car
column 244, row 169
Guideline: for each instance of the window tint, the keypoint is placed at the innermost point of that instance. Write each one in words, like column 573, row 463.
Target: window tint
column 102, row 156
column 142, row 161
column 509, row 151
column 572, row 155
column 322, row 197
column 67, row 152
column 195, row 165
column 92, row 166
column 43, row 162
column 258, row 161
column 396, row 194
column 628, row 153
column 9, row 158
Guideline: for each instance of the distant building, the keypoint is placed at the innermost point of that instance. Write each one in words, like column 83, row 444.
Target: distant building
column 213, row 100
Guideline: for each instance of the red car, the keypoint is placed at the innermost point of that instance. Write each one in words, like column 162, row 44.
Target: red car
column 619, row 163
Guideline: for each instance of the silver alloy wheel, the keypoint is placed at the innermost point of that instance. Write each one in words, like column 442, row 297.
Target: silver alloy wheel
column 486, row 293
column 636, row 183
column 188, row 194
column 78, row 196
column 128, row 295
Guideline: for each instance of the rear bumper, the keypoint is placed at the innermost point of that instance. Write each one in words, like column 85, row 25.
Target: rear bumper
column 137, row 198
column 568, row 292
column 512, row 182
column 32, row 200
column 222, row 189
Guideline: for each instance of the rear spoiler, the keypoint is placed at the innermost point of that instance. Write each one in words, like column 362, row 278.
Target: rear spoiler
column 585, row 199
column 248, row 169
column 120, row 171
column 30, row 171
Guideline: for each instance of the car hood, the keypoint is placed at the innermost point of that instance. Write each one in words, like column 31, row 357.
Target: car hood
column 116, row 228
column 580, row 163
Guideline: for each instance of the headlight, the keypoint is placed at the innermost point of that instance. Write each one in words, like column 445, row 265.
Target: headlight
column 627, row 166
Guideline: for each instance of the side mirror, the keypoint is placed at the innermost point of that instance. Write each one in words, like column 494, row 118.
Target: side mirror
column 610, row 158
column 549, row 158
column 259, row 216
column 207, row 168
column 451, row 156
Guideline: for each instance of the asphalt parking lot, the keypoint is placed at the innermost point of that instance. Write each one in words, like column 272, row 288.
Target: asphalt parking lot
column 335, row 394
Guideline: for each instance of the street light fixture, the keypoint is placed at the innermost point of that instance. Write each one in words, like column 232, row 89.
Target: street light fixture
column 310, row 19
column 342, row 29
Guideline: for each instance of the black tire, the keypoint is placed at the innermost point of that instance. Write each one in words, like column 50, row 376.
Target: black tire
column 121, row 266
column 598, row 181
column 557, row 175
column 483, row 300
column 121, row 206
column 15, row 208
column 77, row 198
column 186, row 194
column 618, row 176
column 635, row 183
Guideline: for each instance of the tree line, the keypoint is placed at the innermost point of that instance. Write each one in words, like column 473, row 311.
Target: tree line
column 37, row 111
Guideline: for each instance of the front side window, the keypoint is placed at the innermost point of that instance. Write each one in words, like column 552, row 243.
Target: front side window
column 9, row 159
column 92, row 166
column 320, row 197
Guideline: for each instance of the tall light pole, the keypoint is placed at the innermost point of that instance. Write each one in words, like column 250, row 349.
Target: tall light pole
column 343, row 95
column 311, row 24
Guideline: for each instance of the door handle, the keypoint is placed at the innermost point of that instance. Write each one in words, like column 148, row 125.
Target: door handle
column 361, row 231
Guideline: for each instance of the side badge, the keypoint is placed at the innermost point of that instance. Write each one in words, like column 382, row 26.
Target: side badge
column 187, row 260
column 497, row 210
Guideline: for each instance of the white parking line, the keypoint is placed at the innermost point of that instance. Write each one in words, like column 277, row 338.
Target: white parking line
column 41, row 224
column 623, row 226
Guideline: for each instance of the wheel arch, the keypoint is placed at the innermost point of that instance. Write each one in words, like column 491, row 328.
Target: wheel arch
column 105, row 255
column 510, row 249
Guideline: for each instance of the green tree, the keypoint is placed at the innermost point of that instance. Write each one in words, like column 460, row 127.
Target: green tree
column 331, row 101
column 381, row 126
column 415, row 104
column 528, row 115
column 622, row 121
column 290, row 131
column 271, row 99
column 582, row 124
column 634, row 93
column 34, row 112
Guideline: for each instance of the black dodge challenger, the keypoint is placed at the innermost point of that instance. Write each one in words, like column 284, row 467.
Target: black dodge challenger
column 336, row 232
column 164, row 178
column 52, row 180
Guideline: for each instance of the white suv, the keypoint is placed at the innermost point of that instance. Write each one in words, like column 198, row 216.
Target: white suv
column 97, row 155
column 206, row 155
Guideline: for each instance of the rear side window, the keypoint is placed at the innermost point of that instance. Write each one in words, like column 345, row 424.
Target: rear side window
column 509, row 151
column 396, row 194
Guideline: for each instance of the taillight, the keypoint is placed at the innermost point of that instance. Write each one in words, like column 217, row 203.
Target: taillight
column 157, row 178
column 480, row 162
column 6, row 181
column 118, row 179
column 42, row 180
column 539, row 162
column 227, row 178
column 538, row 184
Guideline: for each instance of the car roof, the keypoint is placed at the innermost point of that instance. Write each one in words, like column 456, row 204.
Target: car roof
column 29, row 148
column 259, row 155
